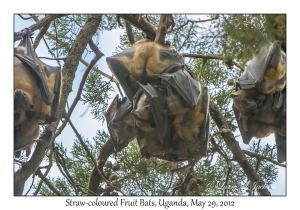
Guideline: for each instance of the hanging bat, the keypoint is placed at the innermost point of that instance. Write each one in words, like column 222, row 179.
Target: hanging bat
column 140, row 62
column 266, row 71
column 120, row 123
column 24, row 135
column 39, row 84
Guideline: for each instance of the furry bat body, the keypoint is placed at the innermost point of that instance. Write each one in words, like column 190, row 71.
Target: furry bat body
column 140, row 62
column 38, row 81
column 36, row 92
column 188, row 131
column 259, row 102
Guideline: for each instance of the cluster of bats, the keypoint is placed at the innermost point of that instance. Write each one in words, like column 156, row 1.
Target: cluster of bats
column 36, row 95
column 166, row 108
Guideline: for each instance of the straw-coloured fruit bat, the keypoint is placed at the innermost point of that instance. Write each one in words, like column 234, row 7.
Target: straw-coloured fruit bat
column 39, row 83
column 36, row 92
column 259, row 102
column 141, row 62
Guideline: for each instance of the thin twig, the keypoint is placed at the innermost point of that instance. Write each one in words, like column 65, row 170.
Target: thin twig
column 227, row 177
column 217, row 57
column 51, row 187
column 100, row 72
column 252, row 154
column 62, row 59
column 47, row 170
column 30, row 185
column 201, row 69
column 24, row 17
column 41, row 35
column 41, row 23
column 169, row 184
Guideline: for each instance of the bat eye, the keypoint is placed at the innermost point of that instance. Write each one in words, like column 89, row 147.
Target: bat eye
column 146, row 108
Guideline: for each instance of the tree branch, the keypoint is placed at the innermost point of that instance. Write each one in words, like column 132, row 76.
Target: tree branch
column 40, row 35
column 94, row 179
column 98, row 55
column 211, row 57
column 252, row 154
column 129, row 33
column 46, row 20
column 162, row 29
column 51, row 187
column 238, row 154
column 140, row 23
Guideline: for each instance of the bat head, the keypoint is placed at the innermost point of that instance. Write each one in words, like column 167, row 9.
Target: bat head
column 243, row 102
column 143, row 116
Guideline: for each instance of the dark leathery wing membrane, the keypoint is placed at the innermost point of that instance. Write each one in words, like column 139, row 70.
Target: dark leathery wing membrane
column 269, row 55
column 186, row 86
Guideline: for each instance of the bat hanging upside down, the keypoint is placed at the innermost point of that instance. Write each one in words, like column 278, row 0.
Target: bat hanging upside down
column 36, row 93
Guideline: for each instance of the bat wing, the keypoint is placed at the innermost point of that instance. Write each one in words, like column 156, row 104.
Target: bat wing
column 29, row 60
column 118, row 66
column 204, row 132
column 281, row 147
column 123, row 108
column 110, row 113
column 157, row 101
column 269, row 55
column 117, row 110
column 246, row 136
column 278, row 100
column 186, row 86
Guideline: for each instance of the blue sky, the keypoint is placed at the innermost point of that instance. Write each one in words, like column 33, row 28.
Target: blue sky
column 91, row 125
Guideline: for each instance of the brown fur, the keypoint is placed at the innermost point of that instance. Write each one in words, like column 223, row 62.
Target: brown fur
column 185, row 149
column 25, row 81
column 245, row 102
column 145, row 62
column 175, row 103
column 151, row 143
column 274, row 79
column 28, row 131
column 124, row 129
column 187, row 125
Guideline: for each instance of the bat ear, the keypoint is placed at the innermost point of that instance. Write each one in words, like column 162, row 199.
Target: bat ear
column 233, row 95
